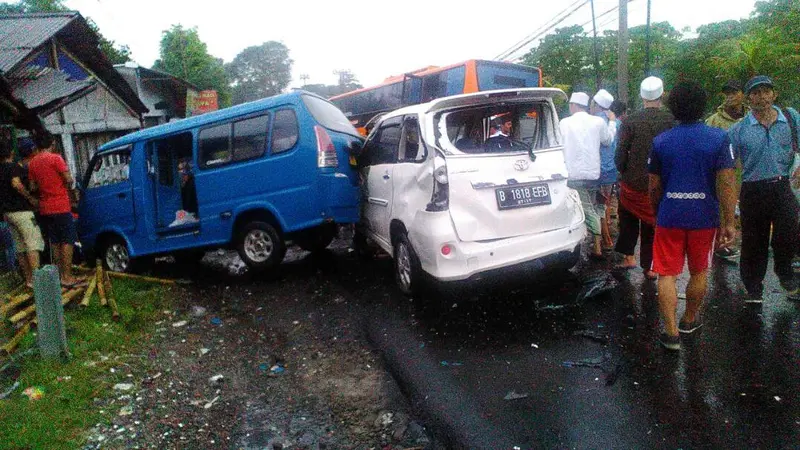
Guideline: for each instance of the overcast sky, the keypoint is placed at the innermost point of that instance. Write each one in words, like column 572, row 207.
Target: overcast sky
column 374, row 39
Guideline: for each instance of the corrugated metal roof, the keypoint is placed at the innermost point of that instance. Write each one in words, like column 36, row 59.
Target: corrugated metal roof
column 22, row 33
column 49, row 86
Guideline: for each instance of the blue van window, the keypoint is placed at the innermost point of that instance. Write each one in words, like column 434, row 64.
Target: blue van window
column 284, row 131
column 110, row 169
column 214, row 143
column 250, row 138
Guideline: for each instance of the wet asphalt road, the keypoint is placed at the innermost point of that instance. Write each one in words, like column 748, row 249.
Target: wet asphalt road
column 459, row 356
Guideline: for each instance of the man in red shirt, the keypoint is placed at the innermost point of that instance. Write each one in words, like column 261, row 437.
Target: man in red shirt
column 49, row 175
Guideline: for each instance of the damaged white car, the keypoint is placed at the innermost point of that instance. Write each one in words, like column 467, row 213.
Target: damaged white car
column 469, row 186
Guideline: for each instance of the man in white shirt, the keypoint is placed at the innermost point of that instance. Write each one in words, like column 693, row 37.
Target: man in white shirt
column 582, row 135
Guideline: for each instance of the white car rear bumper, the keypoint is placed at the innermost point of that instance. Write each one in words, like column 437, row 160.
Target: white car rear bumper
column 432, row 230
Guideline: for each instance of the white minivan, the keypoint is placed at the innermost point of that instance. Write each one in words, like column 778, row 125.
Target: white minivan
column 470, row 186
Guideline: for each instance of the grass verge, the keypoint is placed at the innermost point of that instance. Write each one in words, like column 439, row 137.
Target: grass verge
column 61, row 418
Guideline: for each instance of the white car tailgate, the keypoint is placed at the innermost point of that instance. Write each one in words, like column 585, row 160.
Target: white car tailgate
column 502, row 196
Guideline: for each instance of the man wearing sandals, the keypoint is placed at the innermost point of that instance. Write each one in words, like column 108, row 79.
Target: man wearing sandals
column 16, row 207
column 636, row 217
column 692, row 189
column 50, row 176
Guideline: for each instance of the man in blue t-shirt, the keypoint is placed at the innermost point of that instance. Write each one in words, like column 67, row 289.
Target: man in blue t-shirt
column 762, row 143
column 691, row 178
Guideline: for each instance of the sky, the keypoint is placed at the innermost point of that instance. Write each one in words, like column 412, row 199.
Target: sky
column 373, row 39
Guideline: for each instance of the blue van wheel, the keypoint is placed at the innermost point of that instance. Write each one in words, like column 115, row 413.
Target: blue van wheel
column 116, row 256
column 260, row 246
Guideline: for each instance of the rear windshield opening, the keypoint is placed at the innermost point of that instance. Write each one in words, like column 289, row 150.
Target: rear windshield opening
column 503, row 128
column 328, row 115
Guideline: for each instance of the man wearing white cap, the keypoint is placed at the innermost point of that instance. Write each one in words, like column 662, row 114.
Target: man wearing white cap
column 601, row 102
column 636, row 215
column 582, row 135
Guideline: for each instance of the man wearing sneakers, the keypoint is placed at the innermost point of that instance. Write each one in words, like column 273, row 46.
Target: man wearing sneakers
column 762, row 143
column 691, row 178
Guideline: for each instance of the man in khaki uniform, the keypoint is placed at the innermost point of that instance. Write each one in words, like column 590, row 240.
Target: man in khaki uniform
column 732, row 110
column 728, row 113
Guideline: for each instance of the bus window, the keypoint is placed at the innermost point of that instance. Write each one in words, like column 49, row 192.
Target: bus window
column 412, row 90
column 505, row 76
column 442, row 84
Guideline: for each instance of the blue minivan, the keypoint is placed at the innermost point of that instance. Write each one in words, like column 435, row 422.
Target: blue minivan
column 252, row 177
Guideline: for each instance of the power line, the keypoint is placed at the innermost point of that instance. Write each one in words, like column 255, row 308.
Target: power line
column 522, row 41
column 538, row 33
column 604, row 14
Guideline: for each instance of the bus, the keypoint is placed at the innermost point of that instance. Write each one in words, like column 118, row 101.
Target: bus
column 432, row 82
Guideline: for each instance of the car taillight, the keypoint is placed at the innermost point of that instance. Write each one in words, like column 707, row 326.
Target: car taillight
column 440, row 200
column 326, row 152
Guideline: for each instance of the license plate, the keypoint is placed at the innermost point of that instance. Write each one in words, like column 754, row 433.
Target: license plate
column 523, row 196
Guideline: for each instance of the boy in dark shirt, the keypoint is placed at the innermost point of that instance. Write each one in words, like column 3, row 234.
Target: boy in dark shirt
column 16, row 205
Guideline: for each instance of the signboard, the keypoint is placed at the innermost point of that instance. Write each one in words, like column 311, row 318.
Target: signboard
column 200, row 102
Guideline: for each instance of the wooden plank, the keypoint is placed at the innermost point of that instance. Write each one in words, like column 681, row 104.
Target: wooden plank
column 140, row 278
column 87, row 296
column 14, row 342
column 65, row 298
column 15, row 303
column 112, row 302
column 101, row 285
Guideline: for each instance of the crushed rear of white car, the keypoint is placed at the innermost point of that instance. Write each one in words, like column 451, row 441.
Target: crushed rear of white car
column 476, row 186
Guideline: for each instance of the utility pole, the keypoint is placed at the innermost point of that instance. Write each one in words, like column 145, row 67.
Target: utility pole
column 647, row 44
column 622, row 52
column 596, row 56
column 304, row 78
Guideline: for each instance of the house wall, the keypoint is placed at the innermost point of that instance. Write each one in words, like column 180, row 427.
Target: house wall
column 96, row 118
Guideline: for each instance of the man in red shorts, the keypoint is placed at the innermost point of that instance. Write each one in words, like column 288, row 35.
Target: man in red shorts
column 49, row 174
column 692, row 190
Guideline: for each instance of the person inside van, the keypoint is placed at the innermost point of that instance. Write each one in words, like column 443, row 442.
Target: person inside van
column 188, row 188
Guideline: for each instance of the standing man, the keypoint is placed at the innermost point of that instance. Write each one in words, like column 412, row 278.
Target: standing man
column 602, row 102
column 49, row 173
column 636, row 216
column 762, row 143
column 17, row 205
column 583, row 135
column 731, row 111
column 691, row 177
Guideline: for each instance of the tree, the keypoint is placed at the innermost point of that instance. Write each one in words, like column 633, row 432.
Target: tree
column 347, row 82
column 185, row 56
column 115, row 54
column 564, row 57
column 260, row 71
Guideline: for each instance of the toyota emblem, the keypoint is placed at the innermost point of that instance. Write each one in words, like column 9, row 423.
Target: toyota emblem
column 521, row 165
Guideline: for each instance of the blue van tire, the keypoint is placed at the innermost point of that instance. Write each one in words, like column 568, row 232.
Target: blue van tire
column 316, row 239
column 115, row 255
column 260, row 246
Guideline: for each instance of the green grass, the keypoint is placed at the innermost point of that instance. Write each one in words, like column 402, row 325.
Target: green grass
column 61, row 418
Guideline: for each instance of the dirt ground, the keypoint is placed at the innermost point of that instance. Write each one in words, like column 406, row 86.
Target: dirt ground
column 246, row 363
